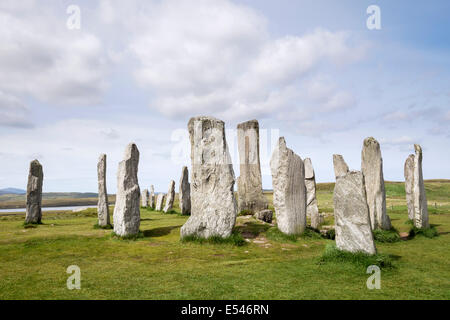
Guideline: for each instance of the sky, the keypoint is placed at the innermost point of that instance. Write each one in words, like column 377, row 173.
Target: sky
column 137, row 71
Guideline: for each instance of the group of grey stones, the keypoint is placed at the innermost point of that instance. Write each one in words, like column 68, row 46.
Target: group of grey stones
column 359, row 196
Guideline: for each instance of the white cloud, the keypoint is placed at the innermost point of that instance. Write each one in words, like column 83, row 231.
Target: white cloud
column 13, row 112
column 40, row 57
column 398, row 141
column 216, row 57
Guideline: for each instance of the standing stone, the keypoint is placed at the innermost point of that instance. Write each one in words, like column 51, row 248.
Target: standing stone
column 372, row 169
column 102, row 205
column 213, row 204
column 351, row 214
column 34, row 193
column 409, row 185
column 289, row 190
column 152, row 197
column 127, row 211
column 250, row 194
column 144, row 198
column 340, row 167
column 420, row 198
column 184, row 193
column 159, row 201
column 312, row 210
column 170, row 197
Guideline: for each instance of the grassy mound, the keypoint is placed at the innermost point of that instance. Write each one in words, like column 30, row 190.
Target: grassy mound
column 139, row 235
column 333, row 255
column 386, row 236
column 235, row 239
column 107, row 227
column 430, row 232
column 31, row 225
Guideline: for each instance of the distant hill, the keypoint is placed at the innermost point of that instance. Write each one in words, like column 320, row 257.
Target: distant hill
column 12, row 191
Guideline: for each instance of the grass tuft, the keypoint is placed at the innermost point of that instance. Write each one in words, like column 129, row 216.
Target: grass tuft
column 107, row 227
column 171, row 212
column 311, row 233
column 31, row 225
column 133, row 237
column 386, row 236
column 275, row 234
column 235, row 239
column 430, row 232
column 333, row 255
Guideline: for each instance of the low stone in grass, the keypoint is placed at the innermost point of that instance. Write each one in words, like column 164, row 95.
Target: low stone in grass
column 264, row 215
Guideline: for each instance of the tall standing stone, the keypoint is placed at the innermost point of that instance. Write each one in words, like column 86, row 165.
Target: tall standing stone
column 170, row 197
column 127, row 210
column 250, row 193
column 103, row 204
column 312, row 209
column 289, row 190
column 160, row 201
column 409, row 185
column 340, row 166
column 420, row 198
column 152, row 197
column 145, row 198
column 213, row 204
column 372, row 169
column 184, row 193
column 351, row 214
column 34, row 193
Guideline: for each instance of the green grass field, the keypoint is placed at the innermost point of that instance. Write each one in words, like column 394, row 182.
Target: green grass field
column 33, row 261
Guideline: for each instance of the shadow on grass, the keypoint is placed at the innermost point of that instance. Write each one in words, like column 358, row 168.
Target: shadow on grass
column 250, row 230
column 159, row 232
column 332, row 255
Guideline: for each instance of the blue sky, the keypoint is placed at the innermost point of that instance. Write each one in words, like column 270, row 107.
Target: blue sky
column 138, row 70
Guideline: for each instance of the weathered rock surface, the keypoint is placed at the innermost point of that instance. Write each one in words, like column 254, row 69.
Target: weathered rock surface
column 340, row 166
column 170, row 197
column 213, row 204
column 312, row 209
column 184, row 193
column 145, row 198
column 264, row 215
column 151, row 199
column 351, row 213
column 372, row 169
column 289, row 190
column 34, row 193
column 103, row 204
column 317, row 220
column 250, row 193
column 409, row 185
column 127, row 217
column 420, row 198
column 160, row 201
